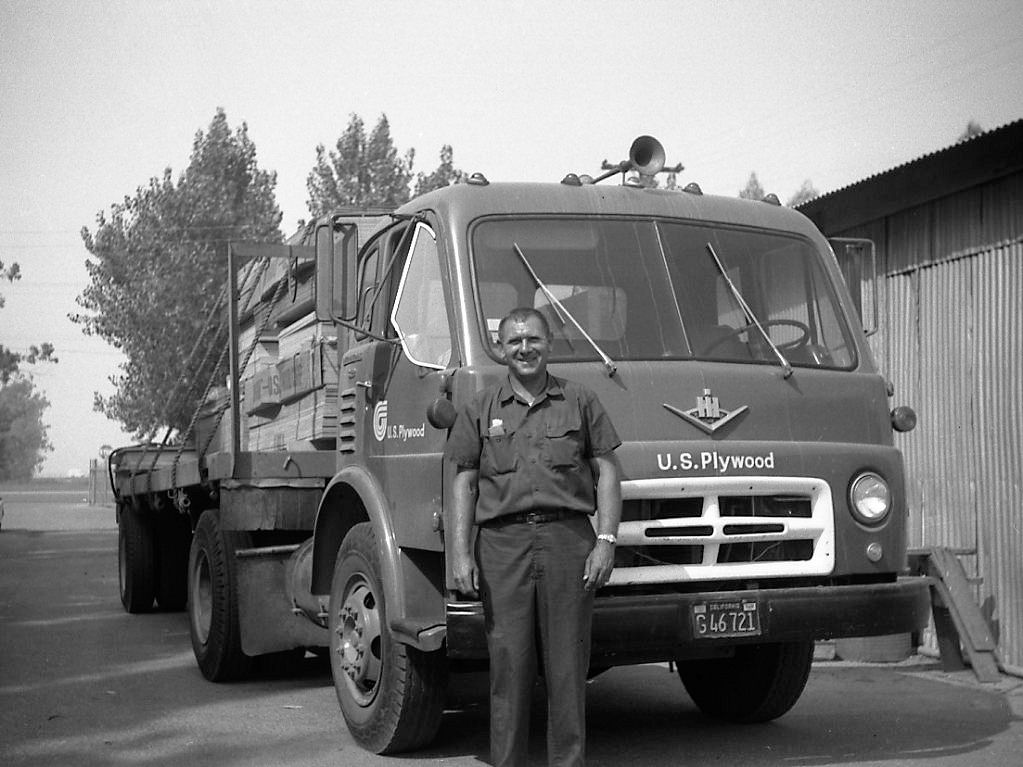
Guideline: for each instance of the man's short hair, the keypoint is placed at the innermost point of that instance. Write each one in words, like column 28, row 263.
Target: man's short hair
column 522, row 314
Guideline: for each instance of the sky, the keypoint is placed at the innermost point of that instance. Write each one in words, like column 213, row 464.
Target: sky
column 98, row 97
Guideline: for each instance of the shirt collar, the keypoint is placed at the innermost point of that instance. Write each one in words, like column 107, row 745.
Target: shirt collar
column 552, row 389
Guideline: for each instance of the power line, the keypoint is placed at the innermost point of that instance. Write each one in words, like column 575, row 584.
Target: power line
column 59, row 351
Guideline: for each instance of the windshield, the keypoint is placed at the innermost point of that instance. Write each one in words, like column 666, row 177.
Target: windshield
column 647, row 290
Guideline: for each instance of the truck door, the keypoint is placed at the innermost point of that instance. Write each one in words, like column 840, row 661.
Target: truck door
column 397, row 380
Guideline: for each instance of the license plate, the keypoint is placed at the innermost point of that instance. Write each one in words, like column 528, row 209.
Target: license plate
column 725, row 618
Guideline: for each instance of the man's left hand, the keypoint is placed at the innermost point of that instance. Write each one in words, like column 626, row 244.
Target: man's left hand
column 599, row 564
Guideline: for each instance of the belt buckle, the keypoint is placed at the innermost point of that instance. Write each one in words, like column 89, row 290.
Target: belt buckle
column 532, row 517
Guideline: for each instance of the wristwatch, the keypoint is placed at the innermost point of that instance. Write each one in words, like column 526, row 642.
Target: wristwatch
column 609, row 537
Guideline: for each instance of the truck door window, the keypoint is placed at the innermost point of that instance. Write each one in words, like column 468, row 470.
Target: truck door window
column 420, row 315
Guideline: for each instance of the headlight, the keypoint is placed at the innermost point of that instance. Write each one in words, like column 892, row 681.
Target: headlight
column 870, row 499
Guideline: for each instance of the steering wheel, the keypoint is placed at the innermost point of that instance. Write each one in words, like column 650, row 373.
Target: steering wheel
column 798, row 343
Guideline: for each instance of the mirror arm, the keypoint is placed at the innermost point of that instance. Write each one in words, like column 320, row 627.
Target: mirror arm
column 362, row 331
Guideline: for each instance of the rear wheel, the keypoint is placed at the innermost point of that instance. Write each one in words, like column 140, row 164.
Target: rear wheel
column 391, row 695
column 136, row 560
column 757, row 684
column 213, row 600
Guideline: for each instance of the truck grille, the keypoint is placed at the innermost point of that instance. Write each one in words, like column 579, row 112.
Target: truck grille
column 717, row 528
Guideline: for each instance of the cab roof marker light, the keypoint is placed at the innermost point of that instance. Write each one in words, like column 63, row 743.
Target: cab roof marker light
column 772, row 199
column 477, row 179
column 692, row 188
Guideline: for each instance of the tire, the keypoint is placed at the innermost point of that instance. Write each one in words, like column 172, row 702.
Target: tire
column 758, row 684
column 136, row 560
column 391, row 695
column 174, row 537
column 213, row 600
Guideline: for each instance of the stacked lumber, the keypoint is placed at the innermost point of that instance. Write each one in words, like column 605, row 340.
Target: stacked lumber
column 288, row 385
column 290, row 397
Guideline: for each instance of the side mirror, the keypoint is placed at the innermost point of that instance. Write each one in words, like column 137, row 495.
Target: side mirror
column 336, row 268
column 441, row 413
column 857, row 255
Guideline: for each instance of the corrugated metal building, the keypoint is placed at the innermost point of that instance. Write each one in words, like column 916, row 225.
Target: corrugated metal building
column 949, row 234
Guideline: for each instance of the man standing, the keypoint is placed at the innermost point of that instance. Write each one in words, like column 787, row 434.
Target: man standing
column 534, row 456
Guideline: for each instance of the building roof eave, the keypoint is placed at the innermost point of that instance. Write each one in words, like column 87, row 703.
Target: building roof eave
column 984, row 157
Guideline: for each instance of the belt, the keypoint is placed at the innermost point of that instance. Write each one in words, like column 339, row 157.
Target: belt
column 532, row 517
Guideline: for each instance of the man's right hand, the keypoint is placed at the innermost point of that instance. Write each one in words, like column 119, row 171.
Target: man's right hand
column 463, row 563
column 466, row 573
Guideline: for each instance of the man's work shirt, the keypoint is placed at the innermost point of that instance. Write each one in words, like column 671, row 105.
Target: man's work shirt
column 532, row 458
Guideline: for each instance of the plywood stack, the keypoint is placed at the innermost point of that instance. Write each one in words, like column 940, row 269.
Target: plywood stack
column 288, row 387
column 259, row 379
column 292, row 405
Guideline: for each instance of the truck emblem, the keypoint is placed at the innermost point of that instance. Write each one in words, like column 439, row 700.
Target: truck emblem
column 380, row 420
column 707, row 415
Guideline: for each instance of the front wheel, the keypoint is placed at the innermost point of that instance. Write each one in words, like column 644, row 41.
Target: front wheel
column 757, row 684
column 391, row 695
column 213, row 600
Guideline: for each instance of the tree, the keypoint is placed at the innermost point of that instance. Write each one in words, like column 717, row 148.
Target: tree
column 158, row 269
column 360, row 172
column 805, row 193
column 10, row 360
column 23, row 438
column 753, row 190
column 972, row 129
column 446, row 173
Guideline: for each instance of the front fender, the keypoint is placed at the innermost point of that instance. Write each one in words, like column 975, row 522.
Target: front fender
column 351, row 497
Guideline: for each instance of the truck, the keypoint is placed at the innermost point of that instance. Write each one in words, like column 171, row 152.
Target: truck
column 764, row 500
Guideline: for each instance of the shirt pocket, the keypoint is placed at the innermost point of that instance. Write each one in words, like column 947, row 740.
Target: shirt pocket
column 498, row 455
column 565, row 443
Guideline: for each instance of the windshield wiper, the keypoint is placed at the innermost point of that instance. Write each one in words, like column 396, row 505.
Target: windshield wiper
column 564, row 313
column 786, row 367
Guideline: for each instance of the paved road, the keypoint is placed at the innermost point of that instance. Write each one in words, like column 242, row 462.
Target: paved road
column 83, row 683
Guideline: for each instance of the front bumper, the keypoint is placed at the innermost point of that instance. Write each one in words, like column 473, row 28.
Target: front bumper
column 652, row 627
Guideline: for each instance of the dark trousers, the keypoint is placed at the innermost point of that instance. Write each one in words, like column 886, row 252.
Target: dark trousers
column 531, row 583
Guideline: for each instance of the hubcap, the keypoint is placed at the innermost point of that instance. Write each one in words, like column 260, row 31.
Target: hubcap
column 358, row 641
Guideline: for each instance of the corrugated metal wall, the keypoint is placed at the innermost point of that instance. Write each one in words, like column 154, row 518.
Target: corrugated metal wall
column 998, row 442
column 954, row 349
column 951, row 342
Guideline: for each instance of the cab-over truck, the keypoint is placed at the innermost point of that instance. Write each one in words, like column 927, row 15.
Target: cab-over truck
column 763, row 498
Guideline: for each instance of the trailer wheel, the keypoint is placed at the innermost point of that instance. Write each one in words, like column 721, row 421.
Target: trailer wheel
column 758, row 684
column 136, row 560
column 391, row 695
column 174, row 537
column 213, row 600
